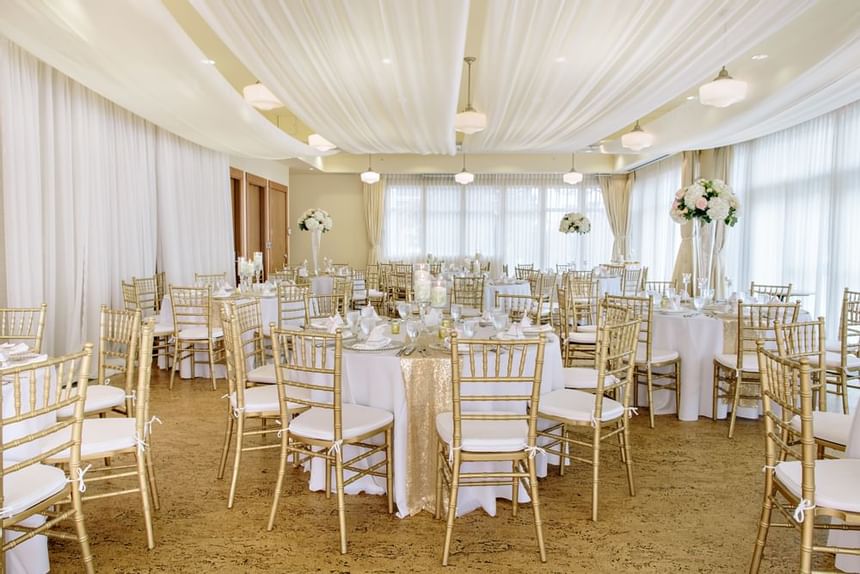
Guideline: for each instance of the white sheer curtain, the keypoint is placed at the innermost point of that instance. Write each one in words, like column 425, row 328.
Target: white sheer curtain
column 79, row 184
column 800, row 194
column 507, row 218
column 654, row 238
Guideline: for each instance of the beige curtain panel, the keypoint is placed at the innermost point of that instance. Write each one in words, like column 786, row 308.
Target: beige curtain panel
column 374, row 209
column 616, row 198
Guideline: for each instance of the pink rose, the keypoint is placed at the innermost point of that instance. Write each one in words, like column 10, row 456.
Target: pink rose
column 701, row 203
column 679, row 194
column 675, row 204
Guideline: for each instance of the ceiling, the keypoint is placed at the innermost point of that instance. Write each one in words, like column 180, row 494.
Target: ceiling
column 386, row 76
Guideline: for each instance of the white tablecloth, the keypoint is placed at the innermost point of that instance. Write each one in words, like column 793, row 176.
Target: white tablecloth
column 491, row 288
column 608, row 285
column 375, row 379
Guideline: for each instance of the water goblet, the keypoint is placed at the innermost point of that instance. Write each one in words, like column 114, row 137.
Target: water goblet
column 456, row 312
column 698, row 303
column 352, row 318
column 469, row 328
column 413, row 327
column 403, row 309
column 500, row 320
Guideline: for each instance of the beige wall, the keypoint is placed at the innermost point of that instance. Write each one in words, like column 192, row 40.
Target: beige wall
column 274, row 170
column 341, row 196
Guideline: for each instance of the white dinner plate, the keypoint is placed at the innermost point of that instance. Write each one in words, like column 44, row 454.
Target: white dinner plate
column 674, row 311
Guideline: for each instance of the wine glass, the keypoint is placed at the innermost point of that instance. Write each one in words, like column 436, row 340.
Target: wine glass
column 403, row 309
column 698, row 303
column 685, row 278
column 456, row 312
column 500, row 320
column 352, row 318
column 413, row 327
column 469, row 328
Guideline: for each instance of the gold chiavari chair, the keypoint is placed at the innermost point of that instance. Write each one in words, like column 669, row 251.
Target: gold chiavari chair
column 329, row 427
column 248, row 404
column 603, row 414
column 574, row 275
column 359, row 295
column 562, row 268
column 843, row 366
column 631, row 280
column 583, row 373
column 119, row 334
column 435, row 268
column 403, row 268
column 343, row 286
column 149, row 297
column 781, row 292
column 739, row 370
column 160, row 288
column 577, row 346
column 495, row 392
column 24, row 325
column 109, row 438
column 129, row 296
column 802, row 489
column 521, row 270
column 613, row 270
column 848, row 296
column 648, row 358
column 485, row 267
column 468, row 292
column 322, row 306
column 805, row 340
column 283, row 276
column 518, row 306
column 399, row 289
column 29, row 484
column 291, row 307
column 213, row 280
column 193, row 328
column 658, row 287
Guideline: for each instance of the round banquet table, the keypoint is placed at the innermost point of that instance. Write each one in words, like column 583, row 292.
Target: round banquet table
column 415, row 389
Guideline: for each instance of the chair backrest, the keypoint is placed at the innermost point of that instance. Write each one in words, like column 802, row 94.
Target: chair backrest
column 757, row 322
column 658, row 287
column 613, row 270
column 616, row 361
column 371, row 277
column 631, row 280
column 517, row 305
column 119, row 335
column 282, row 276
column 561, row 268
column 783, row 292
column 234, row 357
column 786, row 393
column 403, row 268
column 468, row 291
column 572, row 312
column 36, row 393
column 291, row 305
column 161, row 288
column 805, row 340
column 493, row 372
column 641, row 308
column 322, row 306
column 248, row 319
column 146, row 292
column 343, row 286
column 210, row 279
column 522, row 270
column 849, row 334
column 129, row 296
column 24, row 324
column 191, row 308
column 848, row 296
column 574, row 275
column 144, row 378
column 312, row 364
column 435, row 268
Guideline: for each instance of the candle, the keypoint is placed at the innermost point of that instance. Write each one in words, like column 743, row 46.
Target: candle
column 438, row 294
column 421, row 282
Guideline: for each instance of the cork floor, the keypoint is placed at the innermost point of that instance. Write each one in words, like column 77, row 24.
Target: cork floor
column 695, row 510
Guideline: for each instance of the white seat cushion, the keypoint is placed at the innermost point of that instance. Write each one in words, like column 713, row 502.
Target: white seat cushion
column 318, row 423
column 832, row 427
column 485, row 436
column 163, row 329
column 834, row 360
column 259, row 399
column 657, row 355
column 728, row 360
column 577, row 406
column 375, row 294
column 583, row 337
column 582, row 378
column 587, row 328
column 199, row 333
column 833, row 346
column 835, row 482
column 29, row 486
column 99, row 398
column 264, row 374
column 100, row 437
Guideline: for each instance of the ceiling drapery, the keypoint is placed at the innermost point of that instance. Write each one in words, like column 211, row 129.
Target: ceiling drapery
column 135, row 54
column 559, row 75
column 369, row 75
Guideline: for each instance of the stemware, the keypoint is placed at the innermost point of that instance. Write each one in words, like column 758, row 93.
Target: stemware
column 413, row 327
column 698, row 303
column 403, row 309
column 352, row 318
column 469, row 328
column 456, row 312
column 500, row 320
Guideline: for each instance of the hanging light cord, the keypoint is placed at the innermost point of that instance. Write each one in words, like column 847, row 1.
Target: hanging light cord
column 469, row 60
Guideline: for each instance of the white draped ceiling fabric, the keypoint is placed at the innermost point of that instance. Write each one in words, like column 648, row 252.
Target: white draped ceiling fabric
column 560, row 75
column 136, row 55
column 369, row 75
column 93, row 195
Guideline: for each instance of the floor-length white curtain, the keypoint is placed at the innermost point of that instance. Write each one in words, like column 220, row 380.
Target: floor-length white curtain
column 654, row 237
column 508, row 218
column 195, row 222
column 80, row 211
column 800, row 197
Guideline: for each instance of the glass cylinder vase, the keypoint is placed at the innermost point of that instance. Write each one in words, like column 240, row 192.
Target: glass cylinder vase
column 316, row 237
column 704, row 242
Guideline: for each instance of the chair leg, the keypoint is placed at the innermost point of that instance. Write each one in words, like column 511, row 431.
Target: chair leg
column 678, row 388
column 150, row 473
column 595, row 471
column 628, row 458
column 515, row 489
column 341, row 508
column 763, row 526
column 807, row 530
column 144, row 496
column 452, row 506
column 716, row 389
column 240, row 435
column 565, row 448
column 736, row 399
column 177, row 358
column 212, row 364
column 327, row 479
column 440, row 461
column 650, row 378
column 228, row 434
column 843, row 390
column 389, row 468
column 81, row 529
column 533, row 492
column 279, row 483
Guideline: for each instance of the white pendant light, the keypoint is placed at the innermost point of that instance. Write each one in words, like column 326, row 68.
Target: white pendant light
column 464, row 177
column 470, row 121
column 369, row 177
column 261, row 97
column 637, row 139
column 723, row 91
column 318, row 142
column 572, row 177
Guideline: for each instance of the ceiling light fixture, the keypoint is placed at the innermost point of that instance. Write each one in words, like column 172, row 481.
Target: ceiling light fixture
column 464, row 177
column 261, row 97
column 318, row 142
column 369, row 177
column 691, row 97
column 572, row 177
column 637, row 139
column 760, row 57
column 470, row 121
column 723, row 91
column 207, row 61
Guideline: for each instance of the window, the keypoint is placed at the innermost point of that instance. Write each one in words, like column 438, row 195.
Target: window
column 654, row 237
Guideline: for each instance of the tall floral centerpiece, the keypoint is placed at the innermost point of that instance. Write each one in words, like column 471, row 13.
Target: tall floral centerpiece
column 574, row 222
column 706, row 203
column 317, row 221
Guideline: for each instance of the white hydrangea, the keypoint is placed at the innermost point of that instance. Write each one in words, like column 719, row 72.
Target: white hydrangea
column 312, row 223
column 718, row 208
column 693, row 193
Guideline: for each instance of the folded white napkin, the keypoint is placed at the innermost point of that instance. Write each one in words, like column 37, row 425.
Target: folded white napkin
column 369, row 311
column 11, row 348
column 303, row 272
column 220, row 292
column 535, row 329
column 515, row 331
column 378, row 334
column 525, row 322
column 330, row 324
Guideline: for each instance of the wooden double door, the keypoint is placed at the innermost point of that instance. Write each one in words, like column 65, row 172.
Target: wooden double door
column 260, row 219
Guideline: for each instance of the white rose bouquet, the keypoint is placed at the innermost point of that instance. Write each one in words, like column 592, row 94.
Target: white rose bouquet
column 314, row 219
column 708, row 200
column 574, row 223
